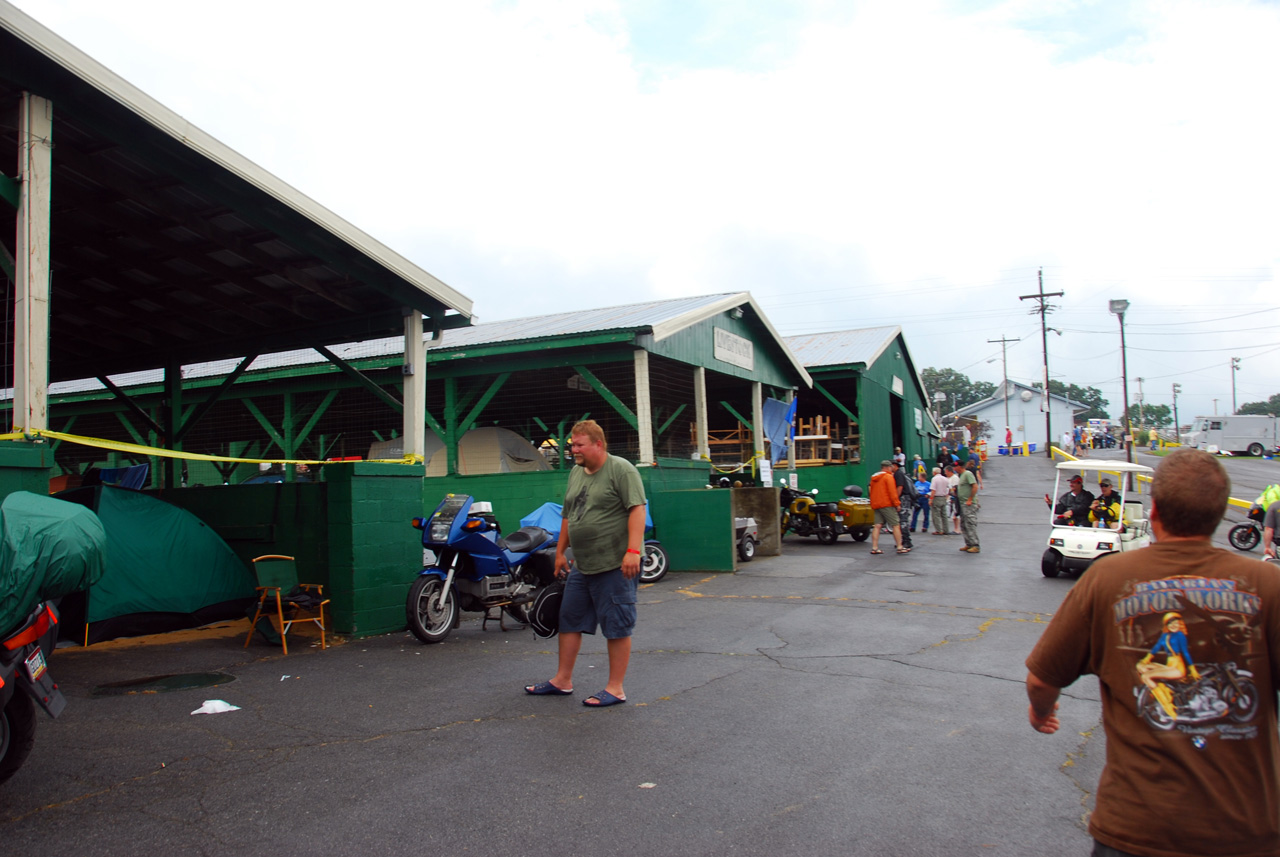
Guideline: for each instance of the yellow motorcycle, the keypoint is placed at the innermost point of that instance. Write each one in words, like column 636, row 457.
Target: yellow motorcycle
column 804, row 517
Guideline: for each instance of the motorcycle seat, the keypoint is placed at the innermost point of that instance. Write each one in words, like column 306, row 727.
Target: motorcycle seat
column 824, row 507
column 524, row 539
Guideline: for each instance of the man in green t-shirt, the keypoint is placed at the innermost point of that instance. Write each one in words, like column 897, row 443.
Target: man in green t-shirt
column 604, row 524
column 967, row 497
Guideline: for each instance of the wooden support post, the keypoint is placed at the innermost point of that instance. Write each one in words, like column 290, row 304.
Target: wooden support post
column 644, row 413
column 700, row 411
column 415, row 386
column 31, row 265
column 757, row 422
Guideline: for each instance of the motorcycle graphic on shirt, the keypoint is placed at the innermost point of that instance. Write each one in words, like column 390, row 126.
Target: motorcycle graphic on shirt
column 1208, row 694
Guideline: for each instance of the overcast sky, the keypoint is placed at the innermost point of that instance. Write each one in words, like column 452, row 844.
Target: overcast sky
column 851, row 164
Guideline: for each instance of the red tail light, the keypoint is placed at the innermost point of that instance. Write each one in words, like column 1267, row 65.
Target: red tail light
column 36, row 630
column 418, row 523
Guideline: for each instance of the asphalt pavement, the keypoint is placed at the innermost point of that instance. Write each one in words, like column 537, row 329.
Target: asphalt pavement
column 823, row 701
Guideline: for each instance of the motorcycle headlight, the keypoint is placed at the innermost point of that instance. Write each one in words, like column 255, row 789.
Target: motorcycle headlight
column 440, row 529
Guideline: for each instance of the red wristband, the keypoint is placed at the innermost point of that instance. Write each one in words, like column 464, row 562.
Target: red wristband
column 633, row 550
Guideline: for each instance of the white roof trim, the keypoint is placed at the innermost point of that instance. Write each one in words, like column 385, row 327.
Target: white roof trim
column 129, row 96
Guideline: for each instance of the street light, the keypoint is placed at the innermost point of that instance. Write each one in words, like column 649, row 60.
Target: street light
column 1177, row 432
column 1235, row 367
column 1119, row 307
column 939, row 398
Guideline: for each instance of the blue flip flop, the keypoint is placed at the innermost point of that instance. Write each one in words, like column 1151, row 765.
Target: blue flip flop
column 603, row 699
column 546, row 688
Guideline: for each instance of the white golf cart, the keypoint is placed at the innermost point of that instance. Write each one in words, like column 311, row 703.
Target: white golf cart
column 1074, row 546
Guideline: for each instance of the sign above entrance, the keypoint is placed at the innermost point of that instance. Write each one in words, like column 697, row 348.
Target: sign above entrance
column 732, row 348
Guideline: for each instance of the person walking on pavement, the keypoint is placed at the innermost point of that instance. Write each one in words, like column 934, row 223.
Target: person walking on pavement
column 920, row 514
column 967, row 496
column 884, row 505
column 940, row 501
column 604, row 524
column 1187, row 772
column 906, row 500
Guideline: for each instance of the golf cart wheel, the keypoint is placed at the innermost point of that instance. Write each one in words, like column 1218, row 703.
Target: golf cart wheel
column 653, row 565
column 860, row 535
column 1051, row 563
column 1256, row 450
column 17, row 733
column 1244, row 537
column 747, row 549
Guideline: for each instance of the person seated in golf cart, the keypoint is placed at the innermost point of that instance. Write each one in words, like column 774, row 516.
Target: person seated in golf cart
column 1073, row 507
column 1104, row 511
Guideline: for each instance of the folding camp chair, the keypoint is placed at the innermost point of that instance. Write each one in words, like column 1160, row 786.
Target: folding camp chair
column 304, row 602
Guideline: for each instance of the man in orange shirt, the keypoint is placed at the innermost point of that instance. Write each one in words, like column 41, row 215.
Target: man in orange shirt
column 884, row 504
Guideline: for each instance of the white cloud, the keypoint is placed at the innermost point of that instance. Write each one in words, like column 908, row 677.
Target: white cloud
column 905, row 162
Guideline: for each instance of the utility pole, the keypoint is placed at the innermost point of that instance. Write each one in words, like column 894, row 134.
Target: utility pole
column 1044, row 309
column 1142, row 418
column 1235, row 367
column 1004, row 388
column 1177, row 432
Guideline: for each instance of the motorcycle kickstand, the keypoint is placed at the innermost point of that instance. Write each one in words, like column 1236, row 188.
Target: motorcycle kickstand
column 484, row 623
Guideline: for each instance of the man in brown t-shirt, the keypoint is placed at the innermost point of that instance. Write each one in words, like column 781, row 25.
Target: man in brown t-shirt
column 1185, row 641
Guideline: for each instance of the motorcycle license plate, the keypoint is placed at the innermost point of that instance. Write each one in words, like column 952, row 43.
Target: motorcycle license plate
column 35, row 665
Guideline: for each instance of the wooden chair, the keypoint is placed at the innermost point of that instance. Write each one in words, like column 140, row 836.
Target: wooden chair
column 304, row 602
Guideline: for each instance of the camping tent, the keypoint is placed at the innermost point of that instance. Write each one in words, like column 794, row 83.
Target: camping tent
column 165, row 569
column 491, row 449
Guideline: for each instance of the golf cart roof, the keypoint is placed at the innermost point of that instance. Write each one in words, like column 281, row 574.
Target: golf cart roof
column 1089, row 466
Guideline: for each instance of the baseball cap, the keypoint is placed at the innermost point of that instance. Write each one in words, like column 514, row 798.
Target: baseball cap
column 1077, row 479
column 886, row 463
column 1105, row 483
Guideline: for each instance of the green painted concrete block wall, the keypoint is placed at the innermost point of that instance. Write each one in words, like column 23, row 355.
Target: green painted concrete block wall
column 696, row 528
column 25, row 467
column 374, row 554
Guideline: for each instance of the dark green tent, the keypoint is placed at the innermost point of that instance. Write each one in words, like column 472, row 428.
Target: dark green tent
column 165, row 569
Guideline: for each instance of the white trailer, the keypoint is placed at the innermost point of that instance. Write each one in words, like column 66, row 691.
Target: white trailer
column 1249, row 435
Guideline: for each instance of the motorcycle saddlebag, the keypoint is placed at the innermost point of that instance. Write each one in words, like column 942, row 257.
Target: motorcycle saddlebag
column 544, row 617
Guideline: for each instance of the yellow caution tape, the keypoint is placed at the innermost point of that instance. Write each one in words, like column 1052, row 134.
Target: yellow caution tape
column 139, row 449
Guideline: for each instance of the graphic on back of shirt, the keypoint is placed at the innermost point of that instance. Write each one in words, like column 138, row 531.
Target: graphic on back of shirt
column 1196, row 637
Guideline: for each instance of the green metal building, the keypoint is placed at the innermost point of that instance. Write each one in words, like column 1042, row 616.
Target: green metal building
column 866, row 384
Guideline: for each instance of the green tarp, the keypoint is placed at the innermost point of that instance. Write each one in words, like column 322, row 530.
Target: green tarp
column 165, row 568
column 48, row 549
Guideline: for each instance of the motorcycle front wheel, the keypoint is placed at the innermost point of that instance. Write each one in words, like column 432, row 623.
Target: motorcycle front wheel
column 429, row 621
column 653, row 565
column 1244, row 537
column 17, row 733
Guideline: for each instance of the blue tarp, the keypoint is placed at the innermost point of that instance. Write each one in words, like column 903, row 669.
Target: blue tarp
column 779, row 419
column 548, row 517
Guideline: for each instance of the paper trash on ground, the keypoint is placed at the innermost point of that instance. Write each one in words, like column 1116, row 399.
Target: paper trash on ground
column 215, row 706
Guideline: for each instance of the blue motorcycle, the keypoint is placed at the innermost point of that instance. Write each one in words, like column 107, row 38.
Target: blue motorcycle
column 476, row 568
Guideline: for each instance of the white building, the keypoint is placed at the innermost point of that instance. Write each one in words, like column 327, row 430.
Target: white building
column 1024, row 407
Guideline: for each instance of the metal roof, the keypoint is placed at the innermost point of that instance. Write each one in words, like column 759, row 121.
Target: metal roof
column 843, row 347
column 661, row 318
column 168, row 246
column 670, row 315
column 999, row 397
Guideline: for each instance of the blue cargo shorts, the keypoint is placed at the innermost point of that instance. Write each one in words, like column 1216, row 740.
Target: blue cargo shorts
column 606, row 599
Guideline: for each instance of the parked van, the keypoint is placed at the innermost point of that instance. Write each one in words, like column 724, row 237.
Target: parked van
column 1250, row 435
